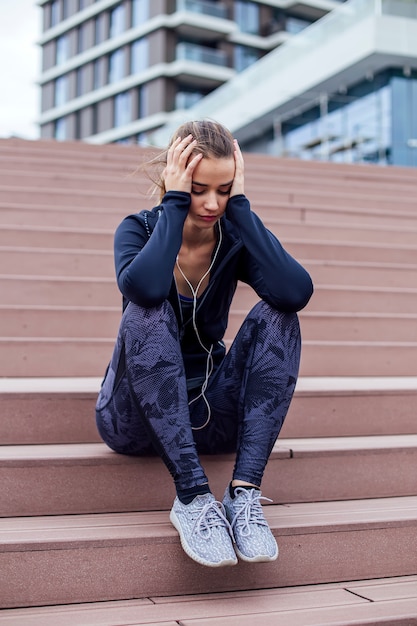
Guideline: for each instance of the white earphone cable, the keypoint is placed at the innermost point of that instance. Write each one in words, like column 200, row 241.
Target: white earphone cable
column 209, row 363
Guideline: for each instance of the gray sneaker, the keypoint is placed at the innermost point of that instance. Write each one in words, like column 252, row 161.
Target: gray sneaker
column 205, row 533
column 254, row 539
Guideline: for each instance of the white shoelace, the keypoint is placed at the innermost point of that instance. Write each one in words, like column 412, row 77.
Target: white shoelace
column 212, row 515
column 250, row 512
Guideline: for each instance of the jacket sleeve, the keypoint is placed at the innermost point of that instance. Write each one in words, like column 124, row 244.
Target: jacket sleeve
column 145, row 264
column 271, row 271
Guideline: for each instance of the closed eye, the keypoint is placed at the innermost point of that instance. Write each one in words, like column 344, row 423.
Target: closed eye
column 201, row 192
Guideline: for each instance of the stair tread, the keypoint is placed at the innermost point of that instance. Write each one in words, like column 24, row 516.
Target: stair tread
column 309, row 605
column 309, row 384
column 61, row 454
column 56, row 532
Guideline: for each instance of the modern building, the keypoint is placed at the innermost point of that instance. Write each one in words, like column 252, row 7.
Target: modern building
column 314, row 79
column 344, row 89
column 113, row 70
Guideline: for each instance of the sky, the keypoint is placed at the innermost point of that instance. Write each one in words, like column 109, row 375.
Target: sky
column 19, row 68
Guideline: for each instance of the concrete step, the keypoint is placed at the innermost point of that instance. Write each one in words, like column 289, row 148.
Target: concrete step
column 94, row 155
column 47, row 411
column 57, row 178
column 94, row 321
column 66, row 559
column 36, row 215
column 364, row 273
column 55, row 260
column 83, row 356
column 65, row 198
column 59, row 290
column 97, row 237
column 129, row 181
column 378, row 601
column 90, row 290
column 90, row 478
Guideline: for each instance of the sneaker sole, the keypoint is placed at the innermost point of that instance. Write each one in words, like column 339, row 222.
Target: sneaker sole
column 259, row 558
column 198, row 559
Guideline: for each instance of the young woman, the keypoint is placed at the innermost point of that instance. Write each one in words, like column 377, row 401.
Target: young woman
column 171, row 389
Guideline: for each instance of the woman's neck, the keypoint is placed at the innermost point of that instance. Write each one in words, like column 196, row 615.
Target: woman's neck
column 195, row 237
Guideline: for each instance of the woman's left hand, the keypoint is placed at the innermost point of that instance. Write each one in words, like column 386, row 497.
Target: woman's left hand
column 238, row 186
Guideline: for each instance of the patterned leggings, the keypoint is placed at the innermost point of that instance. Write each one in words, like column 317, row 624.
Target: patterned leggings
column 143, row 406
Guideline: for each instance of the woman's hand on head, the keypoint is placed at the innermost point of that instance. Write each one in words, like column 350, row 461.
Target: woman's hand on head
column 178, row 173
column 238, row 186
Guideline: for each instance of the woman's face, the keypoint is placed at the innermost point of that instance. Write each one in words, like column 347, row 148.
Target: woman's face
column 212, row 182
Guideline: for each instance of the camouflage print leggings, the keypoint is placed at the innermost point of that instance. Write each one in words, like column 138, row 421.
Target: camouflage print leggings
column 143, row 408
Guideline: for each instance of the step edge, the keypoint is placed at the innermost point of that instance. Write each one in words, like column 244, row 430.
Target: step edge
column 26, row 385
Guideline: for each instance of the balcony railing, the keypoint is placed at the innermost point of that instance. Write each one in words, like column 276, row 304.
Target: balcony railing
column 215, row 9
column 201, row 54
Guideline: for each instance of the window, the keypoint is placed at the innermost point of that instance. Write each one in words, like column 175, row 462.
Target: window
column 247, row 16
column 116, row 65
column 122, row 109
column 61, row 90
column 98, row 79
column 54, row 13
column 295, row 25
column 82, row 38
column 143, row 109
column 139, row 59
column 82, row 4
column 60, row 131
column 186, row 99
column 243, row 57
column 100, row 33
column 117, row 21
column 62, row 49
column 140, row 12
column 65, row 9
column 81, row 86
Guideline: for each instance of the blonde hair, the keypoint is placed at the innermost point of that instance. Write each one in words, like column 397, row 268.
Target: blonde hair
column 213, row 141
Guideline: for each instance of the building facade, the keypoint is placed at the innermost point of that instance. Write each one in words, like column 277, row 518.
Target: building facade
column 114, row 70
column 344, row 89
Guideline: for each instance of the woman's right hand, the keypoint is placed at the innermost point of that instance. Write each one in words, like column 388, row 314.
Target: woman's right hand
column 178, row 173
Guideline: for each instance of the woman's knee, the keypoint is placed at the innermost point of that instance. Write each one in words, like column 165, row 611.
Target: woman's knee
column 275, row 320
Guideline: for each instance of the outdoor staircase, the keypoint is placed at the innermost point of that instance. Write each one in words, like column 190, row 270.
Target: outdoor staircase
column 85, row 537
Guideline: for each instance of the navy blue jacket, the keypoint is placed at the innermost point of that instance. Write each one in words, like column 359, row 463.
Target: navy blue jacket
column 146, row 246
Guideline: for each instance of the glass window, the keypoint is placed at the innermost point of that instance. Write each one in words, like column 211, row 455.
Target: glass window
column 60, row 131
column 81, row 81
column 55, row 13
column 98, row 74
column 143, row 109
column 61, row 90
column 294, row 25
column 100, row 33
column 65, row 9
column 243, row 57
column 247, row 16
column 116, row 65
column 122, row 109
column 187, row 99
column 140, row 12
column 139, row 59
column 82, row 4
column 117, row 21
column 62, row 49
column 81, row 38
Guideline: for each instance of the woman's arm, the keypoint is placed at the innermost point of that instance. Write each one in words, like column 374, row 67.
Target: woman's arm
column 273, row 273
column 144, row 265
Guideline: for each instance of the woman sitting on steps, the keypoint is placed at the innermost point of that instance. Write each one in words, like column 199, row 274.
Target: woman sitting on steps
column 171, row 389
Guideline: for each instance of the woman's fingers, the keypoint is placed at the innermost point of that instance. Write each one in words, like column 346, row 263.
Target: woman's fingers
column 238, row 186
column 180, row 165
